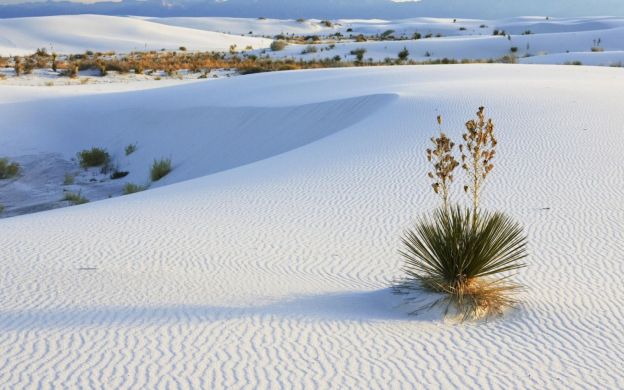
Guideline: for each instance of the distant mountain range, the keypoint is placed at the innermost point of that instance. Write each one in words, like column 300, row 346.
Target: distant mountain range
column 323, row 9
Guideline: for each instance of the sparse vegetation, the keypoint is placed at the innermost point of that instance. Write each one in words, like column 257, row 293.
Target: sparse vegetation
column 8, row 169
column 465, row 254
column 131, row 188
column 130, row 148
column 75, row 198
column 278, row 45
column 95, row 157
column 403, row 54
column 69, row 179
column 359, row 54
column 1, row 208
column 160, row 168
column 309, row 49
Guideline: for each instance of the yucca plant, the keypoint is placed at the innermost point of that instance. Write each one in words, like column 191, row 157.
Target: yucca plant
column 448, row 253
column 466, row 254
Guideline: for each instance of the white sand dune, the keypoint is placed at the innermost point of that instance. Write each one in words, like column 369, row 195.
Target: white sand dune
column 275, row 273
column 78, row 33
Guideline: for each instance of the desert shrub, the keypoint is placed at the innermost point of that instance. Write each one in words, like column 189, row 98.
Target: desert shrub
column 462, row 29
column 278, row 45
column 95, row 157
column 1, row 208
column 416, row 35
column 118, row 66
column 54, row 62
column 327, row 23
column 182, row 48
column 17, row 65
column 300, row 20
column 309, row 49
column 8, row 169
column 597, row 49
column 68, row 180
column 131, row 188
column 360, row 38
column 403, row 54
column 387, row 34
column 358, row 53
column 71, row 71
column 573, row 63
column 160, row 168
column 130, row 148
column 463, row 253
column 514, row 49
column 75, row 198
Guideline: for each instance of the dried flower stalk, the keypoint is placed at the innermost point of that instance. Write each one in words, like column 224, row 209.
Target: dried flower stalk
column 477, row 154
column 444, row 163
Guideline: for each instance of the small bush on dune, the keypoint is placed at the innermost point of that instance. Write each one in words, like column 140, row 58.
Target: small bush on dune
column 8, row 169
column 309, row 49
column 95, row 157
column 160, row 168
column 75, row 198
column 278, row 45
column 131, row 148
column 131, row 188
column 1, row 208
column 403, row 54
column 463, row 253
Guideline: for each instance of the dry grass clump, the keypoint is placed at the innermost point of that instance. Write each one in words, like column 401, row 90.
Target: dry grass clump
column 95, row 157
column 131, row 188
column 465, row 254
column 160, row 168
column 130, row 148
column 75, row 198
column 8, row 169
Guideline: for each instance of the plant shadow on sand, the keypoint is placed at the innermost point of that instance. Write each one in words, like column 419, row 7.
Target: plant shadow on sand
column 371, row 306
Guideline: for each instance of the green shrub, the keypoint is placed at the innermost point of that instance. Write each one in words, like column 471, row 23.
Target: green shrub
column 278, row 45
column 74, row 198
column 160, row 168
column 131, row 188
column 131, row 148
column 95, row 157
column 1, row 208
column 403, row 54
column 358, row 53
column 8, row 169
